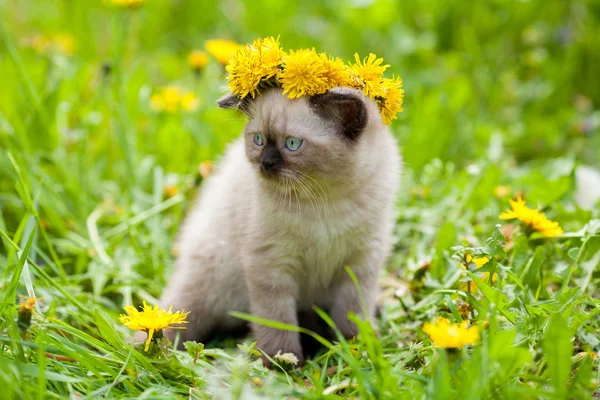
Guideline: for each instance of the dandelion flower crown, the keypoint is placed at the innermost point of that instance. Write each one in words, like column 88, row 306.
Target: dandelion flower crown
column 305, row 72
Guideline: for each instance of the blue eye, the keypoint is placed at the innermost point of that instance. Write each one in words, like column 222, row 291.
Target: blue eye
column 258, row 139
column 293, row 143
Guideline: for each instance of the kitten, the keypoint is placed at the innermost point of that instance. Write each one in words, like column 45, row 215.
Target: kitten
column 307, row 190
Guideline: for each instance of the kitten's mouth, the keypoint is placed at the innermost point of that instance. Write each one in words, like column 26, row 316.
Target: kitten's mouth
column 296, row 184
column 270, row 174
column 275, row 177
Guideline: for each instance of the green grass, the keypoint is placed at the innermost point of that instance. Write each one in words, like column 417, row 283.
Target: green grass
column 497, row 93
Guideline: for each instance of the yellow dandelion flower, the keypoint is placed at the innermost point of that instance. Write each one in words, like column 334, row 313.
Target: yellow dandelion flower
column 256, row 62
column 243, row 80
column 479, row 262
column 471, row 286
column 197, row 60
column 391, row 103
column 152, row 320
column 270, row 55
column 172, row 99
column 304, row 74
column 156, row 102
column 368, row 75
column 188, row 101
column 336, row 73
column 532, row 218
column 64, row 43
column 445, row 334
column 128, row 3
column 61, row 43
column 501, row 191
column 222, row 50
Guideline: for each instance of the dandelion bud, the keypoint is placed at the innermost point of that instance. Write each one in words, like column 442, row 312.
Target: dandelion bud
column 25, row 313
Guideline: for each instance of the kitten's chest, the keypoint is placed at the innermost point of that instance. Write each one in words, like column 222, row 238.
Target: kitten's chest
column 323, row 249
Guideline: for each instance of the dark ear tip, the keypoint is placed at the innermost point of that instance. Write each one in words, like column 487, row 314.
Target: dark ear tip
column 344, row 97
column 345, row 106
column 229, row 101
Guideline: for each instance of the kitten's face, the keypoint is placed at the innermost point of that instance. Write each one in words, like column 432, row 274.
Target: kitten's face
column 306, row 138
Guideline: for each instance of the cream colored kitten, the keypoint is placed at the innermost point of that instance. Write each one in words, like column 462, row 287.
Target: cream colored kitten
column 307, row 190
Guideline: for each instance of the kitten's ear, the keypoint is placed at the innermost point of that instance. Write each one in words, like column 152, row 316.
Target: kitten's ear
column 229, row 101
column 344, row 106
column 233, row 101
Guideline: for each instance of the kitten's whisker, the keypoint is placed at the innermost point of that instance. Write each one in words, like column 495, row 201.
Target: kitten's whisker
column 297, row 198
column 319, row 200
column 289, row 193
column 288, row 204
column 320, row 190
column 310, row 193
column 314, row 204
column 278, row 190
column 299, row 184
column 281, row 188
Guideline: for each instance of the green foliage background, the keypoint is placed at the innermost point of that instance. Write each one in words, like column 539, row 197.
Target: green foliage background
column 497, row 93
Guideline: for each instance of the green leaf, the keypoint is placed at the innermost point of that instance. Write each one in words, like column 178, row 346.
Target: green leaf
column 11, row 291
column 529, row 274
column 33, row 371
column 573, row 253
column 493, row 296
column 592, row 228
column 445, row 239
column 503, row 351
column 558, row 349
column 453, row 309
column 440, row 387
column 107, row 331
column 195, row 350
column 583, row 378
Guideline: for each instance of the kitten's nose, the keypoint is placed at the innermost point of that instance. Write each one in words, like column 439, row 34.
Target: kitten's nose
column 271, row 159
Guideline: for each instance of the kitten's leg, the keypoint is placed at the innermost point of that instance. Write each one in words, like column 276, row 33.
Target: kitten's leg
column 274, row 298
column 346, row 298
column 191, row 293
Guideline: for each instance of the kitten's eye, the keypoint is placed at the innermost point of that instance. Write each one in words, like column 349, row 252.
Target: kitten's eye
column 258, row 139
column 293, row 143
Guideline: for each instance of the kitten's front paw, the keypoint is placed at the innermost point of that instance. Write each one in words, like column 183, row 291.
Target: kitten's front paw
column 284, row 359
column 349, row 330
column 345, row 326
column 285, row 348
column 277, row 344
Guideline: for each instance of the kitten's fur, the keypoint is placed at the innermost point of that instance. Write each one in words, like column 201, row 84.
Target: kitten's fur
column 274, row 243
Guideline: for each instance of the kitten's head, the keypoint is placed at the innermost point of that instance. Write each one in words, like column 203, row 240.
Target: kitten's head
column 314, row 137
